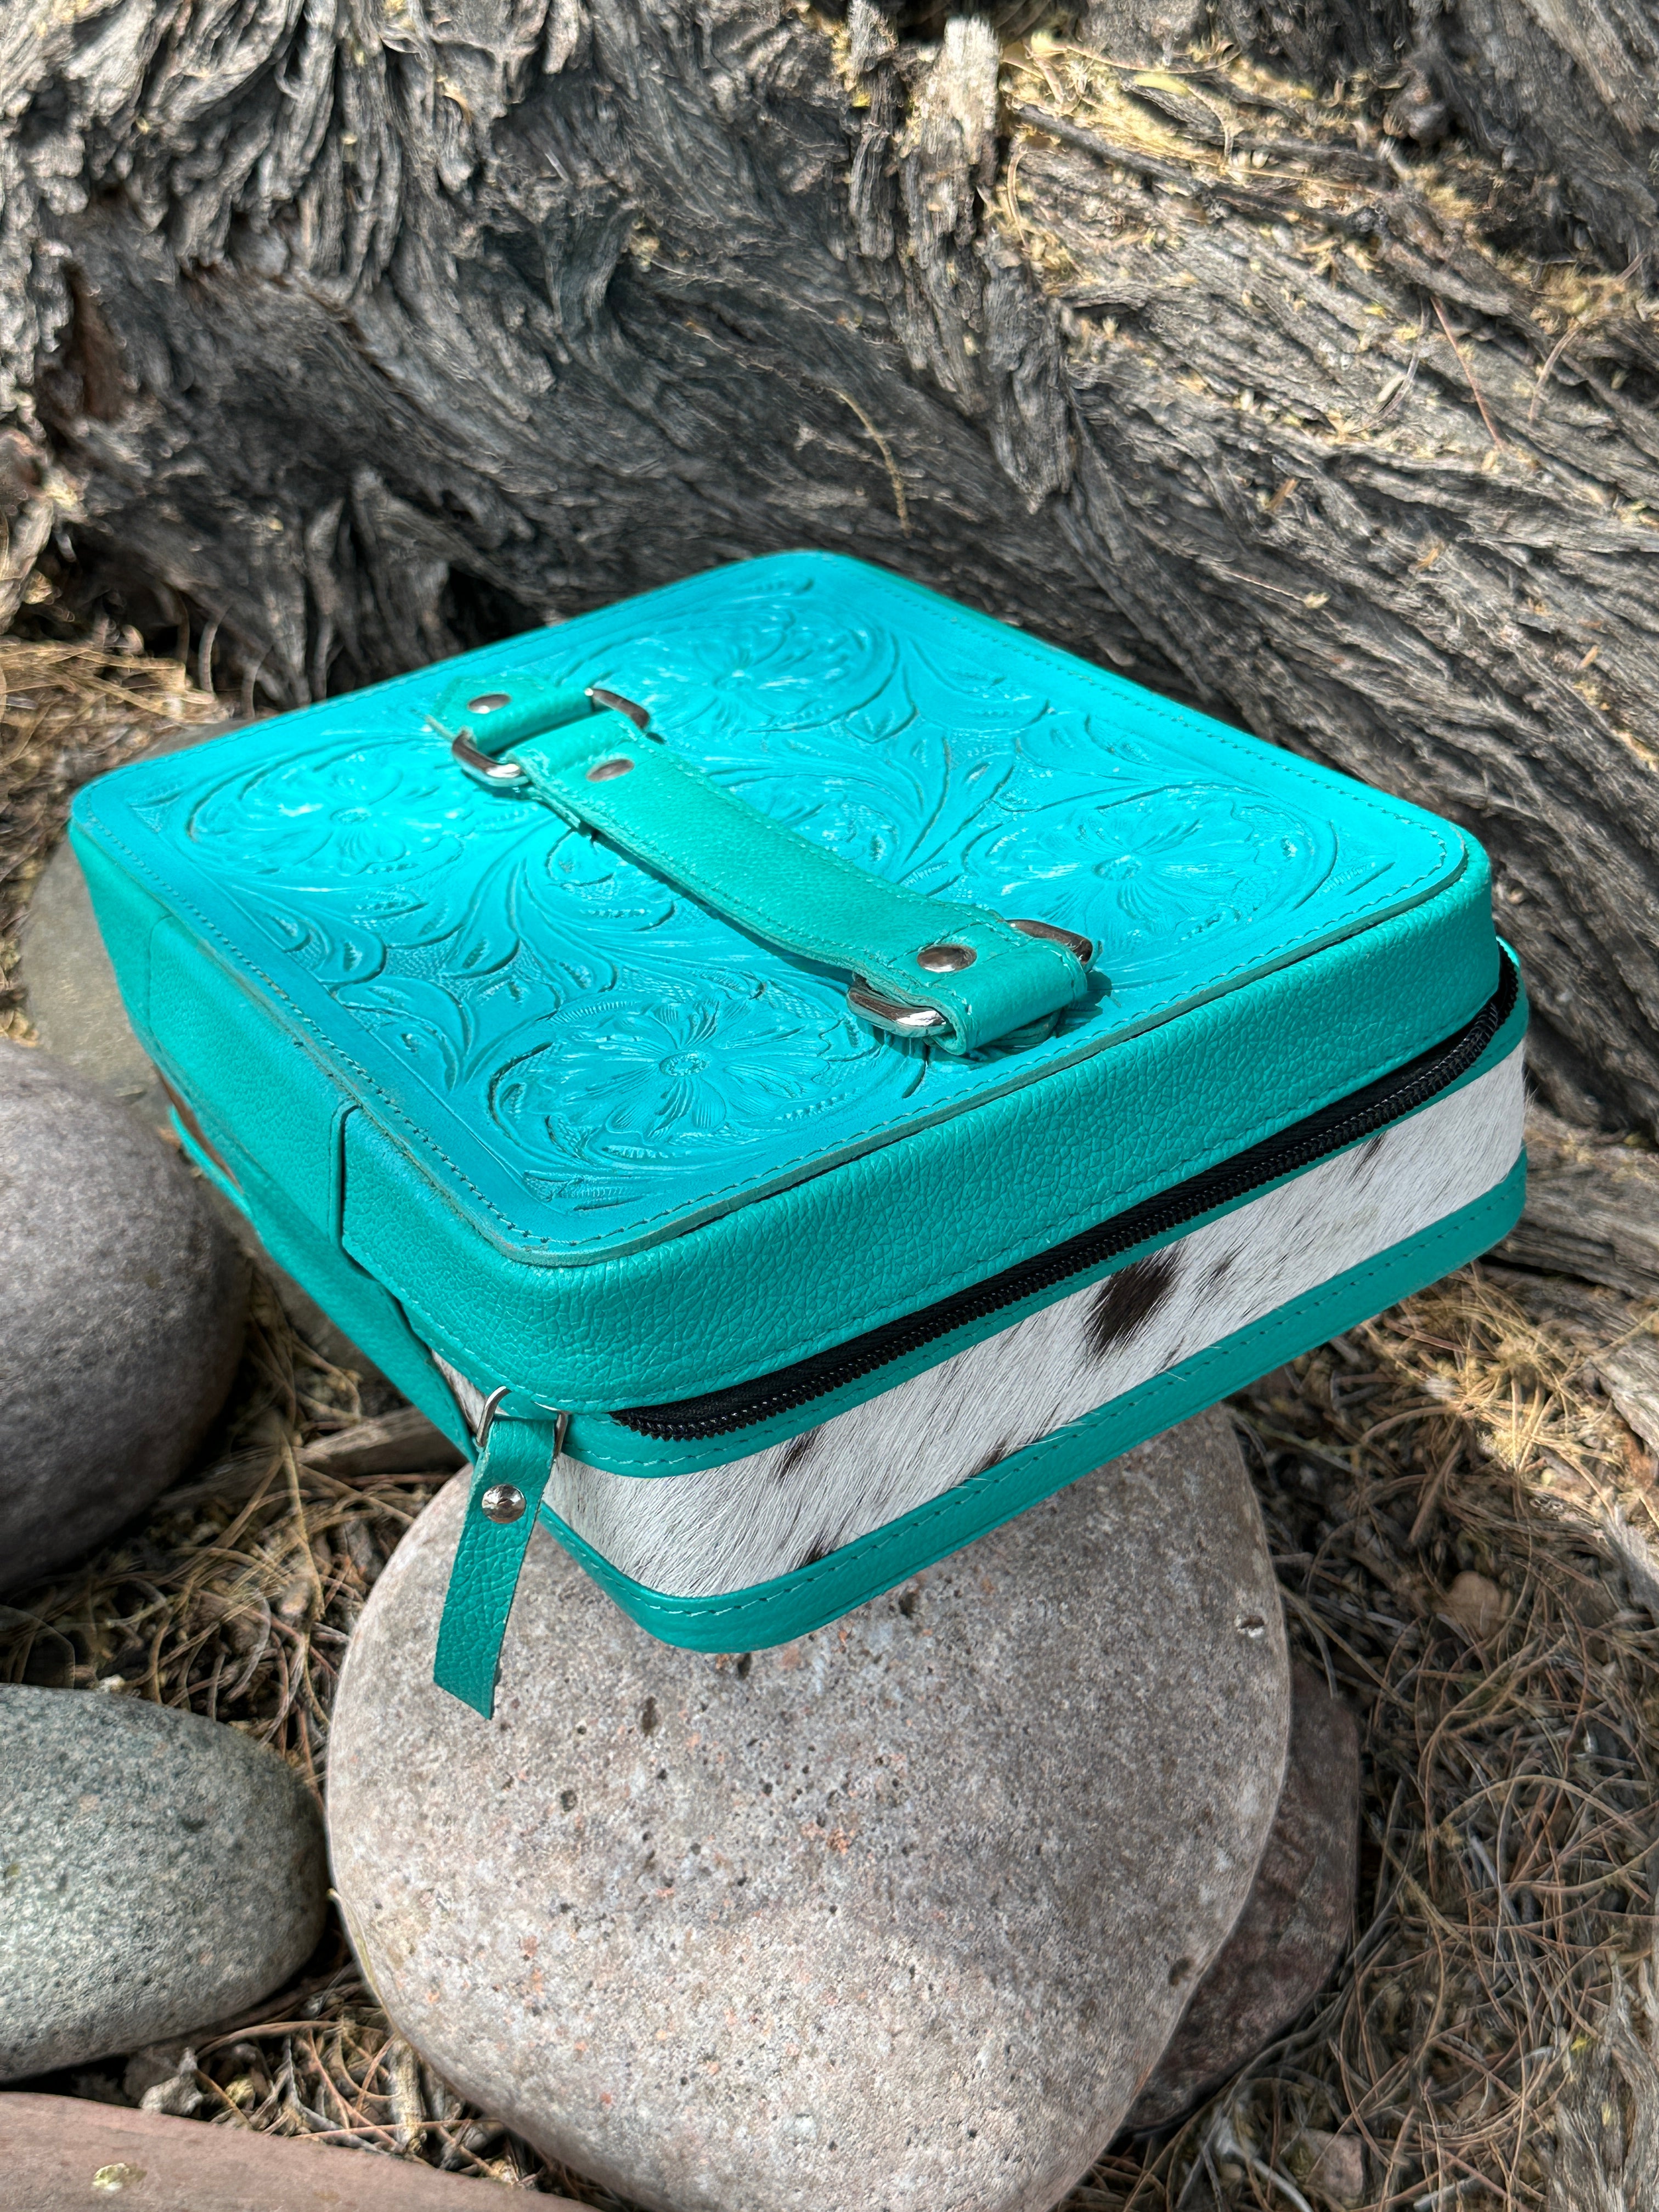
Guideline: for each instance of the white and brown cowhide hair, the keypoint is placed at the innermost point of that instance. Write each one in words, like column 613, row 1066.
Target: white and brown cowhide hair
column 729, row 1526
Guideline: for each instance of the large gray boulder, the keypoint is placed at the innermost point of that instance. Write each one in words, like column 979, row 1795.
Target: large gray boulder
column 124, row 1298
column 157, row 1872
column 900, row 1914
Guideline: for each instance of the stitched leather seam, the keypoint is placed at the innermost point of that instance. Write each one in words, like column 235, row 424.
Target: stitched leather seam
column 876, row 1132
column 904, row 1530
column 637, row 1466
column 1053, row 1235
column 935, row 918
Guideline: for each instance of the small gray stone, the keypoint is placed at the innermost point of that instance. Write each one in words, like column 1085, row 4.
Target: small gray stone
column 1296, row 1921
column 157, row 1872
column 900, row 1913
column 73, row 1000
column 75, row 1003
column 125, row 1298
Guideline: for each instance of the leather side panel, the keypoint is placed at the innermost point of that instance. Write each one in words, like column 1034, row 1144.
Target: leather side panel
column 895, row 1229
column 792, row 1604
column 127, row 916
column 258, row 1092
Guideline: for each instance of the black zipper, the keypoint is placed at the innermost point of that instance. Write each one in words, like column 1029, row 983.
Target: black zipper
column 722, row 1413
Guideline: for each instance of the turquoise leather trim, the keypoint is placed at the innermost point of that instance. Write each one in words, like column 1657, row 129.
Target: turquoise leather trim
column 581, row 1062
column 799, row 895
column 792, row 1605
column 206, row 1164
column 600, row 1442
column 353, row 1301
column 494, row 718
column 126, row 918
column 485, row 1575
column 288, row 1115
column 893, row 1230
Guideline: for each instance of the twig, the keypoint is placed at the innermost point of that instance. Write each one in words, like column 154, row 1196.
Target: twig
column 1544, row 373
column 1462, row 362
column 900, row 502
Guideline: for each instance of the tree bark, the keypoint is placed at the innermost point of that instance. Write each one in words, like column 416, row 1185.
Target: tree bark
column 371, row 331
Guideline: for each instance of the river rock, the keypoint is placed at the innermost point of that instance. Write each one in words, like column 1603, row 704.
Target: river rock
column 899, row 1914
column 73, row 1001
column 124, row 1296
column 73, row 998
column 157, row 1872
column 1295, row 1921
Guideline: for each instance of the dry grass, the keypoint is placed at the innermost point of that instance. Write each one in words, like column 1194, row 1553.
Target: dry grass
column 68, row 712
column 1510, row 1823
column 1510, row 1826
column 1493, row 2020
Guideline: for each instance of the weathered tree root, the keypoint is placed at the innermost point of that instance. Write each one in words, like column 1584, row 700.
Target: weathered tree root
column 370, row 335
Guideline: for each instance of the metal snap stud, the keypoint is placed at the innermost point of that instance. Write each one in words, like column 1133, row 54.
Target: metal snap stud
column 488, row 703
column 502, row 1501
column 605, row 770
column 945, row 959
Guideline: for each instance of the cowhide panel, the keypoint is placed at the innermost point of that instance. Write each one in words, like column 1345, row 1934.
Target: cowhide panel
column 731, row 1526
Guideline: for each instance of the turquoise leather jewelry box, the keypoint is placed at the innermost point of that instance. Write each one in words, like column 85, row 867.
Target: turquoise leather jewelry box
column 788, row 1071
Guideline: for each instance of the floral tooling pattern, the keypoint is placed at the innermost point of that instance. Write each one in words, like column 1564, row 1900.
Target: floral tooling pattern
column 599, row 1045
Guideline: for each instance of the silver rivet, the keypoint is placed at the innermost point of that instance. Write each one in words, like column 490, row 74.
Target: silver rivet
column 945, row 959
column 488, row 703
column 607, row 770
column 502, row 1501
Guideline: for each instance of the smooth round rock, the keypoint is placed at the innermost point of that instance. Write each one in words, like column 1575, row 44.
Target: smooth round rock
column 125, row 1298
column 73, row 1000
column 900, row 1914
column 158, row 1872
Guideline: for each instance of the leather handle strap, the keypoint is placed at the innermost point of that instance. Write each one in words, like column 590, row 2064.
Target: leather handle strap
column 513, row 1464
column 957, row 974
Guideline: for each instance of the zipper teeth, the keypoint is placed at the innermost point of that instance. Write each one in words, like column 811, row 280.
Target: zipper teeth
column 1213, row 1187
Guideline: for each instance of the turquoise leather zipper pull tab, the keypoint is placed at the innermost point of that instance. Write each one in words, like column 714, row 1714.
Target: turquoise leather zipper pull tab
column 960, row 976
column 515, row 1462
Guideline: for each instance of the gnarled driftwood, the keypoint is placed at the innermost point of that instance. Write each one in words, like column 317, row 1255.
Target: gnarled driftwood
column 372, row 328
